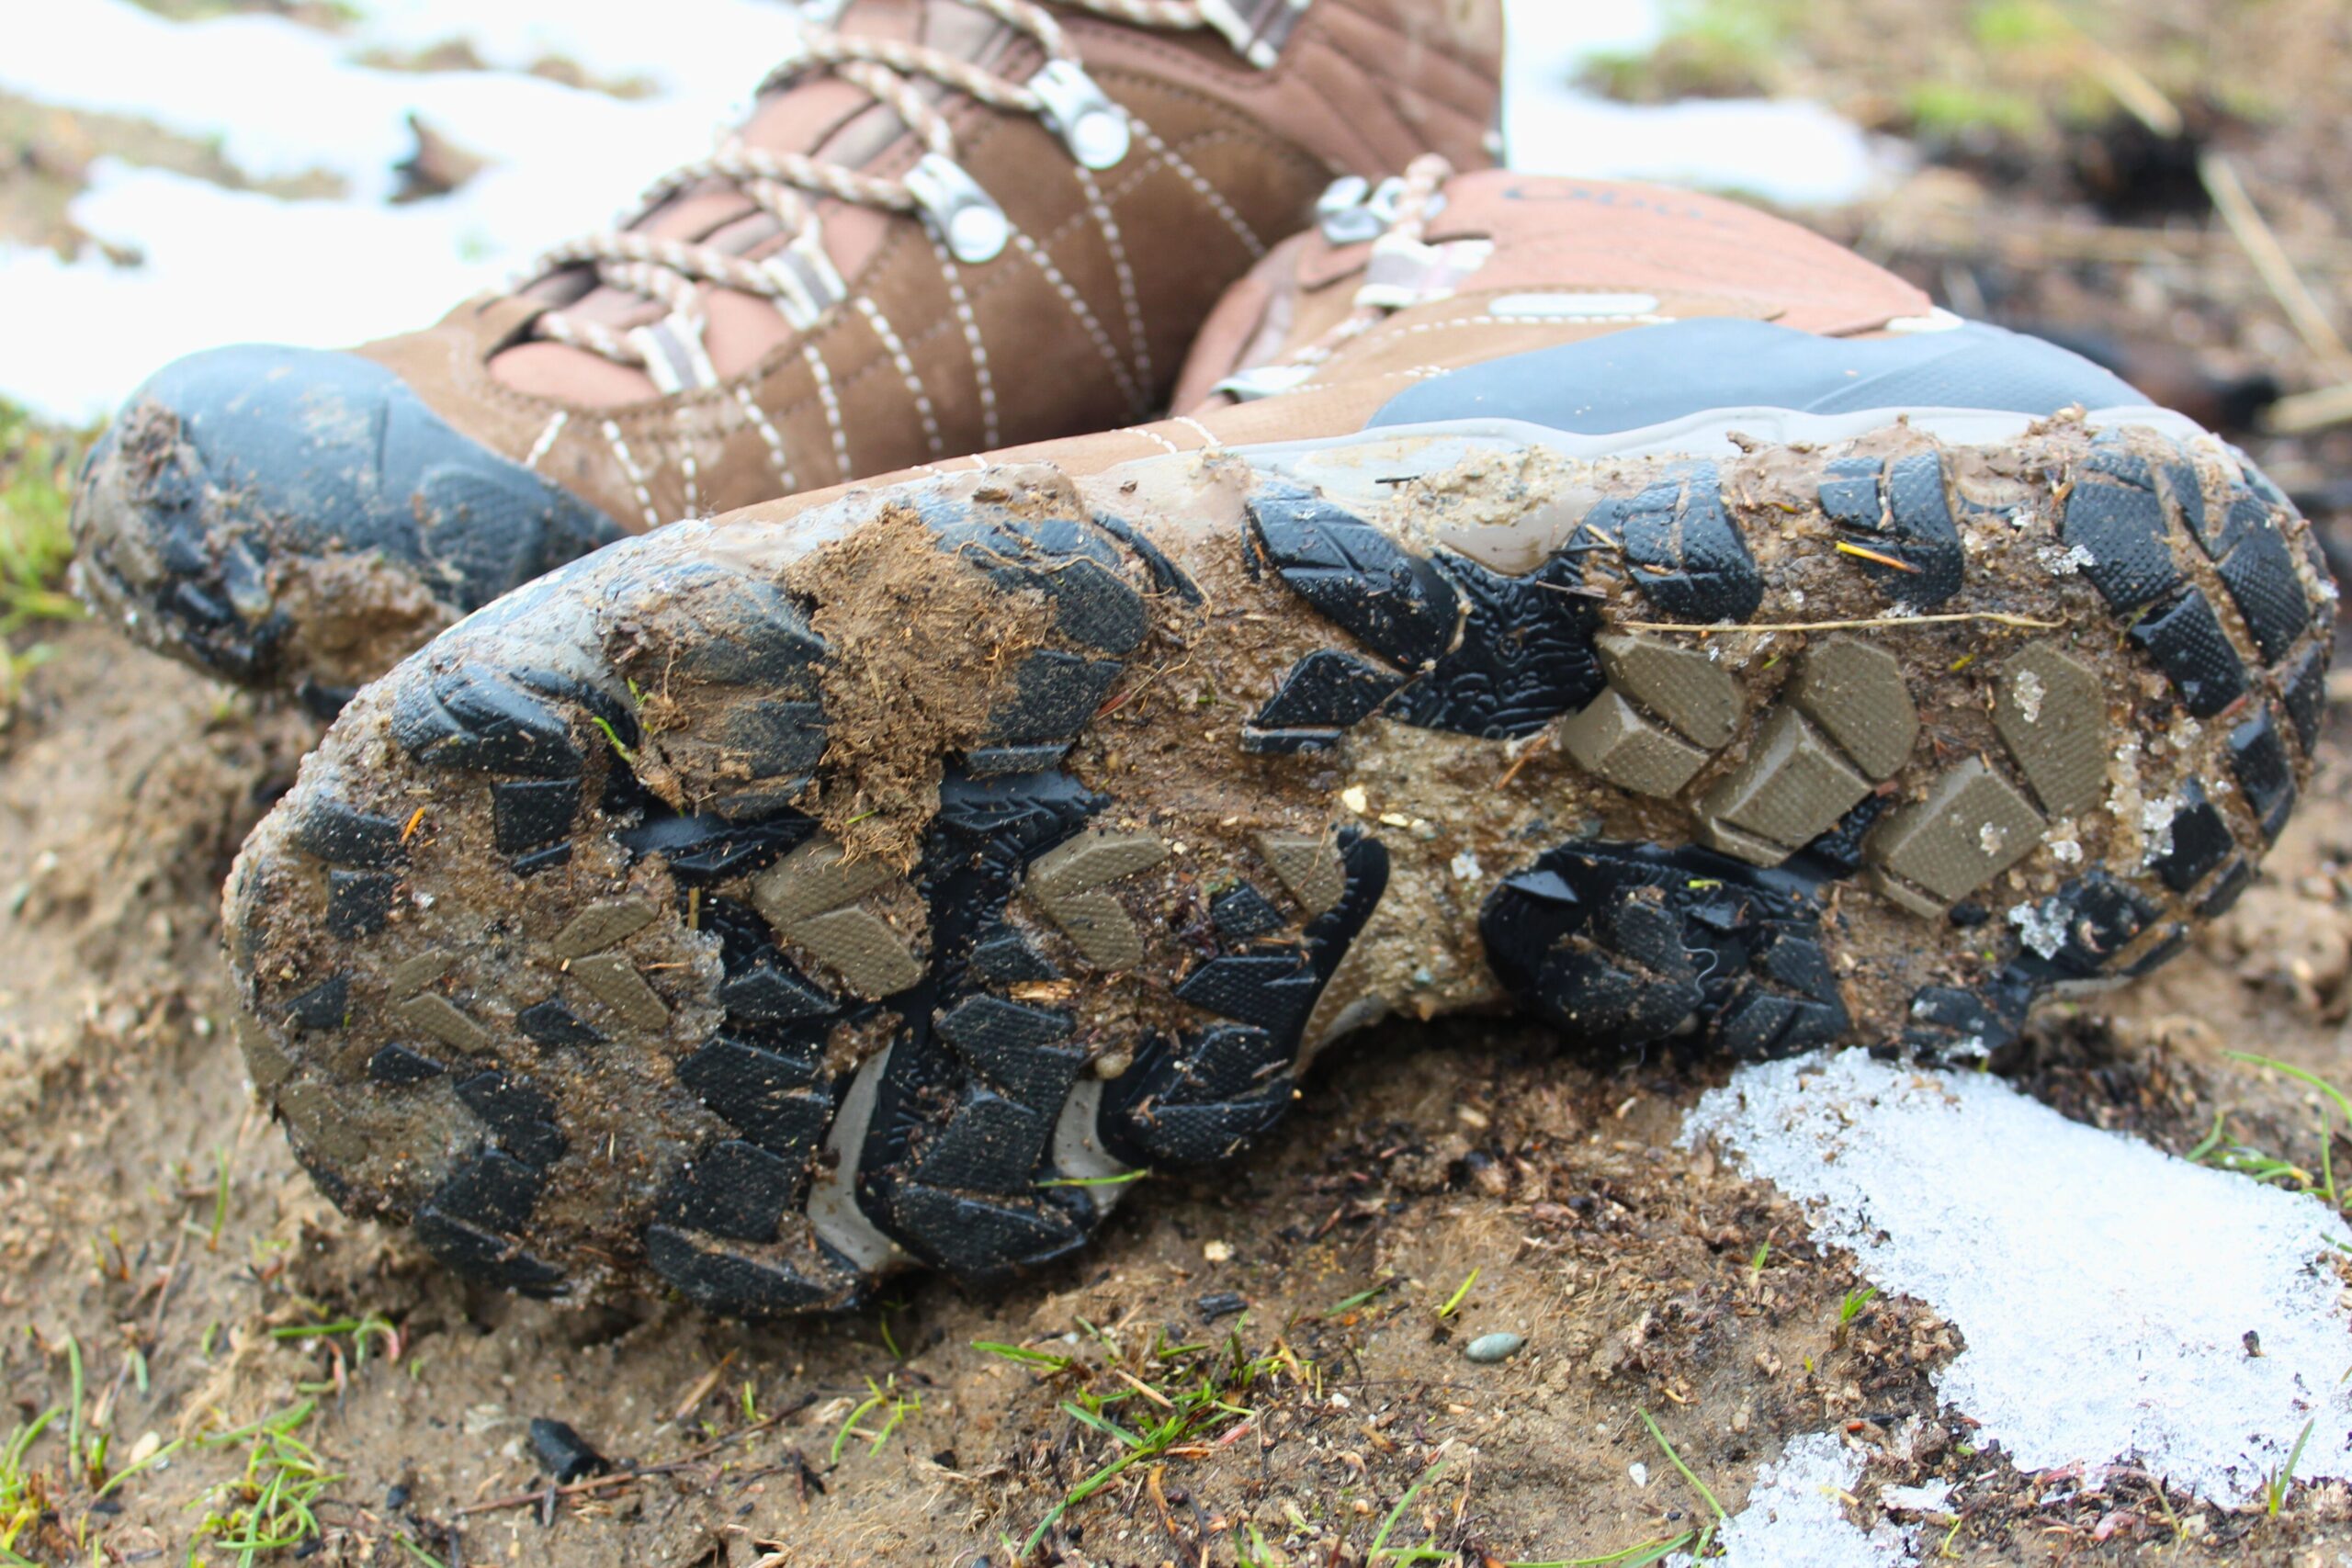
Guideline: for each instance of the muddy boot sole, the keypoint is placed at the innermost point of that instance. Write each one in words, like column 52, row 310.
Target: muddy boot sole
column 756, row 908
column 293, row 519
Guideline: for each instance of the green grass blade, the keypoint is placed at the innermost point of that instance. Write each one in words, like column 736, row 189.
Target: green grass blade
column 1381, row 1540
column 1640, row 1556
column 1120, row 1180
column 1101, row 1424
column 2287, row 1476
column 1688, row 1474
column 2208, row 1143
column 158, row 1457
column 1336, row 1308
column 2300, row 1074
column 1023, row 1354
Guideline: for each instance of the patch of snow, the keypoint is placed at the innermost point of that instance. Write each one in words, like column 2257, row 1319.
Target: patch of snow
column 2042, row 927
column 1935, row 1498
column 2027, row 687
column 1795, row 1517
column 611, row 42
column 2105, row 1289
column 283, row 97
column 221, row 266
column 1789, row 152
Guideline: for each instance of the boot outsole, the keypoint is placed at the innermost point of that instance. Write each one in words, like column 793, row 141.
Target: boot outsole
column 299, row 519
column 557, row 953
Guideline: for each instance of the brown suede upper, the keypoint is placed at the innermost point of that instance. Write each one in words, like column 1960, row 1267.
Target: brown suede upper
column 1686, row 254
column 1697, row 255
column 1079, row 324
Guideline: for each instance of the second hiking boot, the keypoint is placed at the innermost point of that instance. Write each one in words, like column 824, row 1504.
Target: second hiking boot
column 949, row 224
column 1636, row 610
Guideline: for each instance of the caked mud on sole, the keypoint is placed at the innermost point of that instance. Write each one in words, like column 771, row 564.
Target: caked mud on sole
column 753, row 909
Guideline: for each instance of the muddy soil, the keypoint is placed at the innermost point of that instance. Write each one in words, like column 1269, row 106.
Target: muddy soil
column 155, row 1230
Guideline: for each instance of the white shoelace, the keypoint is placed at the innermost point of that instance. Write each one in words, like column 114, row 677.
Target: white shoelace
column 798, row 277
column 1402, row 269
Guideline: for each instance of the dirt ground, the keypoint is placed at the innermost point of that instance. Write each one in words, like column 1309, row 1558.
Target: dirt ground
column 156, row 1234
column 238, row 1374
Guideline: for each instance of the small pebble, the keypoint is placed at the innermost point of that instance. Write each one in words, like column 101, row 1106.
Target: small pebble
column 1494, row 1347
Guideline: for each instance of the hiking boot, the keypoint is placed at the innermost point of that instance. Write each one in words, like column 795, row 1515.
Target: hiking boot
column 1602, row 600
column 948, row 225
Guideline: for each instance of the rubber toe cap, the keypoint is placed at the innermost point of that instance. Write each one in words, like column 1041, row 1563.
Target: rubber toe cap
column 298, row 518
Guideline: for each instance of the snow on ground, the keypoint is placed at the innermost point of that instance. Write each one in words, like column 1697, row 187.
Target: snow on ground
column 2110, row 1295
column 223, row 266
column 1795, row 1519
column 1792, row 153
column 284, row 98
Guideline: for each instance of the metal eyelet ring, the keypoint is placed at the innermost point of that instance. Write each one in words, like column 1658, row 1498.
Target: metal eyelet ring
column 1345, row 214
column 965, row 215
column 1093, row 128
column 1265, row 381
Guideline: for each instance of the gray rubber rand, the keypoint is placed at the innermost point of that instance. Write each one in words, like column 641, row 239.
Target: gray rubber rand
column 295, row 518
column 556, row 953
column 1646, row 375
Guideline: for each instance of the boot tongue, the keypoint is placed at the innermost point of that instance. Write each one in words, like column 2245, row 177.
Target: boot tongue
column 832, row 119
column 819, row 115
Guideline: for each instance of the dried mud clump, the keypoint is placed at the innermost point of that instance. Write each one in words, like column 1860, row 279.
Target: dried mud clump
column 920, row 657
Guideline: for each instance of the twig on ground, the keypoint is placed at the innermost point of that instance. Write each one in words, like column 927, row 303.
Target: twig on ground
column 2301, row 414
column 2253, row 231
column 623, row 1477
column 702, row 1389
column 1882, row 623
column 164, row 1289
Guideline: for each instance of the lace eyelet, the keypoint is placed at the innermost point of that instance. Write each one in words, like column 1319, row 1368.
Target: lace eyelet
column 965, row 215
column 1093, row 128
